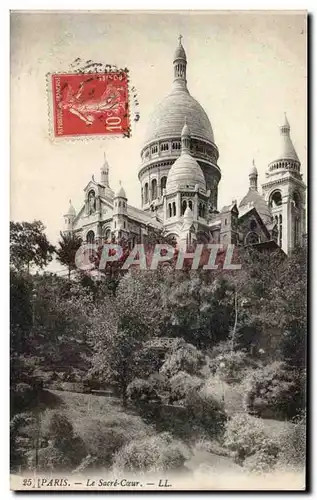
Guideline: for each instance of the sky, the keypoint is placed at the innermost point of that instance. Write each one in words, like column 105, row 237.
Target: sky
column 245, row 68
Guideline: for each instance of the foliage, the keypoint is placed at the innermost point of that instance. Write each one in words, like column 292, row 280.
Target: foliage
column 245, row 437
column 59, row 431
column 142, row 390
column 102, row 441
column 182, row 385
column 232, row 367
column 155, row 453
column 184, row 357
column 274, row 391
column 292, row 443
column 205, row 411
column 198, row 307
column 66, row 250
column 50, row 459
column 29, row 245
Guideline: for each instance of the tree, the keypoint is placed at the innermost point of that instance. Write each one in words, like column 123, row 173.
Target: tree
column 29, row 245
column 66, row 251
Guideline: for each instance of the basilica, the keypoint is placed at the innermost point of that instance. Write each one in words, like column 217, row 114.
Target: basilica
column 179, row 177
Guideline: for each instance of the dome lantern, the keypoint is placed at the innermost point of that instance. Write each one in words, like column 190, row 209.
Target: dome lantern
column 253, row 177
column 180, row 63
column 104, row 171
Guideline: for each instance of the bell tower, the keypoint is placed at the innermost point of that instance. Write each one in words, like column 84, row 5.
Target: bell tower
column 285, row 193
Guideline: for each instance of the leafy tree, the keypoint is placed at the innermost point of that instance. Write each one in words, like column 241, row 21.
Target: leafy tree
column 66, row 250
column 113, row 345
column 29, row 245
column 198, row 307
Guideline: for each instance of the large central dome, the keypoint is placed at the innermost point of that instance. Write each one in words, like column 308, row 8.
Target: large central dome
column 169, row 117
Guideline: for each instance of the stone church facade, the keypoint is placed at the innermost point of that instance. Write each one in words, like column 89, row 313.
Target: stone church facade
column 179, row 176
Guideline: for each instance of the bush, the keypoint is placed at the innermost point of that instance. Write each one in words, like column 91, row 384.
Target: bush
column 21, row 396
column 183, row 358
column 274, row 392
column 142, row 390
column 245, row 437
column 103, row 441
column 293, row 444
column 155, row 453
column 182, row 385
column 232, row 367
column 59, row 432
column 50, row 459
column 206, row 412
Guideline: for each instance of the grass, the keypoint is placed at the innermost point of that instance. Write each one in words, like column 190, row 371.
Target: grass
column 83, row 409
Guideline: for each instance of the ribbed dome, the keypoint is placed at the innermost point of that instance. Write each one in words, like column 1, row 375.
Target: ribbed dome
column 169, row 117
column 185, row 174
column 254, row 197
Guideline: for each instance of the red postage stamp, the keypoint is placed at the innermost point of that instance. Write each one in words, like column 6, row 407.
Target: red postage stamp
column 90, row 104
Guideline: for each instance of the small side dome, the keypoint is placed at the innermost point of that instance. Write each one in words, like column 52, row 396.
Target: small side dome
column 185, row 174
column 120, row 193
column 71, row 211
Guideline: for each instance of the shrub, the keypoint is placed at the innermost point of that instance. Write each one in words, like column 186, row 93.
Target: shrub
column 274, row 392
column 245, row 437
column 59, row 431
column 103, row 441
column 183, row 358
column 232, row 367
column 293, row 444
column 155, row 453
column 142, row 390
column 57, row 427
column 182, row 385
column 21, row 396
column 205, row 411
column 50, row 459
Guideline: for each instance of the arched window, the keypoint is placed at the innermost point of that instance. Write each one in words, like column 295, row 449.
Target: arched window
column 251, row 238
column 190, row 204
column 199, row 210
column 163, row 183
column 296, row 200
column 169, row 210
column 174, row 208
column 146, row 193
column 142, row 199
column 184, row 206
column 154, row 189
column 107, row 234
column 119, row 203
column 203, row 211
column 275, row 199
column 90, row 237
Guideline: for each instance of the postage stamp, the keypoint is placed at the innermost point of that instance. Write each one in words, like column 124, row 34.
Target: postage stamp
column 88, row 104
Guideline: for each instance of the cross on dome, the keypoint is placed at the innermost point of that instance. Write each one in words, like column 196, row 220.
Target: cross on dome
column 180, row 39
